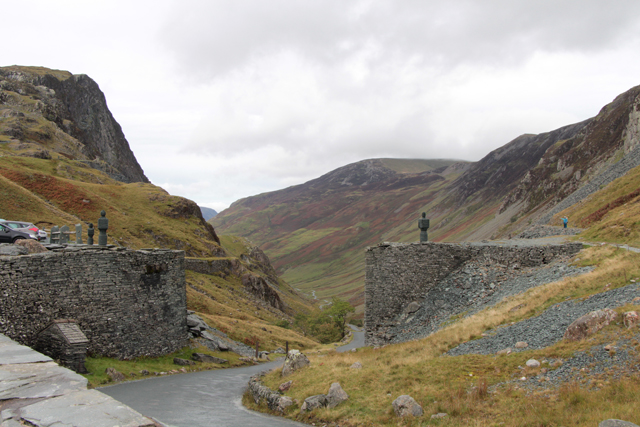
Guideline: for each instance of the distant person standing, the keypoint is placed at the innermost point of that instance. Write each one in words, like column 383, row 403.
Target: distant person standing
column 565, row 221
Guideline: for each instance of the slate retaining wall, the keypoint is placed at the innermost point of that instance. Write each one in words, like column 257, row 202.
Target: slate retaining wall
column 398, row 274
column 128, row 303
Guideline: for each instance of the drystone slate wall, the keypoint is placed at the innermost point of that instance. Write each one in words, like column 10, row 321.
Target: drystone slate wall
column 128, row 303
column 211, row 266
column 397, row 275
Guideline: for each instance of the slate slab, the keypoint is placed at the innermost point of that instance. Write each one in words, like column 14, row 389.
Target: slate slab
column 12, row 352
column 36, row 380
column 86, row 408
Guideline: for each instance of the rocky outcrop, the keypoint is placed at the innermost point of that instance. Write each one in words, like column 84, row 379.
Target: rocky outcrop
column 72, row 105
column 259, row 288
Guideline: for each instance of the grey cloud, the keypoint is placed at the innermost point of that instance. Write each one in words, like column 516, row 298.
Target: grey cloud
column 212, row 38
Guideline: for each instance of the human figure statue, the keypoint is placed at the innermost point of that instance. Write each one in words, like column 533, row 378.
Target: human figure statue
column 90, row 233
column 565, row 221
column 423, row 225
column 103, row 226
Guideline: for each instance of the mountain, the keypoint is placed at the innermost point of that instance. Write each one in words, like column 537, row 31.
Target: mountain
column 315, row 233
column 66, row 113
column 208, row 213
column 64, row 158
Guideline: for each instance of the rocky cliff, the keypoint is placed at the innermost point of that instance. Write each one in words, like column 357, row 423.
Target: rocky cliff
column 56, row 111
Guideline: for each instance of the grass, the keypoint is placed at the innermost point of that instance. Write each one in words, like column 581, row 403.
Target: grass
column 155, row 365
column 467, row 387
column 611, row 214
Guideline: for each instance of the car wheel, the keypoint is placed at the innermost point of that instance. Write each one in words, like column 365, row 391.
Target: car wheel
column 15, row 239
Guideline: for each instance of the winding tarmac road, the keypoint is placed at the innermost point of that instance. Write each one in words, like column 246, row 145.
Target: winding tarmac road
column 203, row 399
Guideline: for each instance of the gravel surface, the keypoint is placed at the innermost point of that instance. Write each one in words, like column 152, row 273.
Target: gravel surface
column 590, row 368
column 550, row 326
column 473, row 289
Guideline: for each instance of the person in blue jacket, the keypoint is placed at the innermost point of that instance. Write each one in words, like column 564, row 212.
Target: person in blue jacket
column 565, row 221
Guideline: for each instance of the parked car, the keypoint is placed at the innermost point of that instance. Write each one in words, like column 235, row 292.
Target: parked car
column 26, row 227
column 10, row 235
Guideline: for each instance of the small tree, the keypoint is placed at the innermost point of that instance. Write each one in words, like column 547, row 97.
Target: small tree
column 339, row 313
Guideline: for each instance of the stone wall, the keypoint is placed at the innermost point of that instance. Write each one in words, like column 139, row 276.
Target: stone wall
column 397, row 275
column 224, row 266
column 128, row 303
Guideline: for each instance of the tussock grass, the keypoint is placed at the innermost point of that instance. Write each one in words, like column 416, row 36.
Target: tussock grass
column 467, row 387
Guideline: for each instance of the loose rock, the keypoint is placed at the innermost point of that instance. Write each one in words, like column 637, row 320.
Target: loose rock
column 533, row 363
column 616, row 423
column 313, row 402
column 356, row 365
column 183, row 362
column 589, row 324
column 114, row 375
column 205, row 358
column 285, row 386
column 521, row 344
column 631, row 319
column 336, row 395
column 406, row 405
column 294, row 361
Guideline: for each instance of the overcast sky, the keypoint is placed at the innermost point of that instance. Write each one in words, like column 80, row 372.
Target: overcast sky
column 223, row 99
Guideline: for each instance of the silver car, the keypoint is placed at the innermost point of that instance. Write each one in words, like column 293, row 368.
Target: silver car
column 26, row 227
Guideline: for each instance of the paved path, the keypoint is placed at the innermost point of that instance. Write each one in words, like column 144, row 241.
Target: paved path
column 35, row 390
column 202, row 399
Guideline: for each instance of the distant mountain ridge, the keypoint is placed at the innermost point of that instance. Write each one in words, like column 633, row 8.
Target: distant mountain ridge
column 208, row 213
column 315, row 233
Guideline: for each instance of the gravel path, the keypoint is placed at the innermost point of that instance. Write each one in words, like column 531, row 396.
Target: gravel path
column 550, row 326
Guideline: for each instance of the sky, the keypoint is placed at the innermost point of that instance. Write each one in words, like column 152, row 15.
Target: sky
column 224, row 99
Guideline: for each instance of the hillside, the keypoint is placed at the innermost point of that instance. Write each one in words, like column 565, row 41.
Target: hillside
column 64, row 158
column 315, row 233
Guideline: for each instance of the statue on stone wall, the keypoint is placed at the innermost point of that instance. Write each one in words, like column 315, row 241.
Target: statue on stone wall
column 103, row 226
column 90, row 233
column 423, row 225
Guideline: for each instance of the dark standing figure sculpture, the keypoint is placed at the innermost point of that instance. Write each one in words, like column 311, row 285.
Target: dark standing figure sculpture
column 103, row 226
column 423, row 225
column 90, row 233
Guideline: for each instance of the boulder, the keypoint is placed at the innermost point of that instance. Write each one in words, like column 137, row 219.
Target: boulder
column 533, row 363
column 631, row 319
column 504, row 351
column 336, row 395
column 438, row 415
column 205, row 358
column 32, row 246
column 589, row 324
column 616, row 423
column 114, row 375
column 406, row 405
column 294, row 361
column 285, row 386
column 183, row 362
column 412, row 308
column 313, row 402
column 356, row 365
column 283, row 403
column 521, row 344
